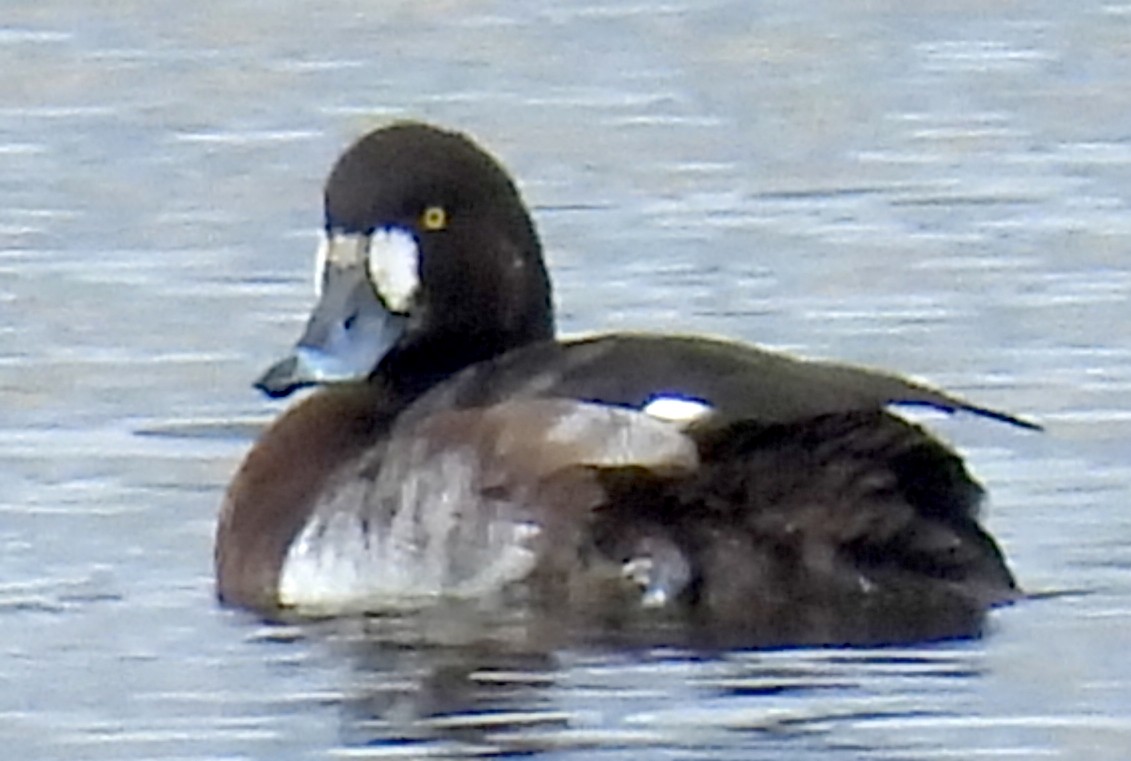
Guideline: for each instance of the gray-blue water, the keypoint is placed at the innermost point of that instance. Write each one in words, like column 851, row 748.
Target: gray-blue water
column 941, row 188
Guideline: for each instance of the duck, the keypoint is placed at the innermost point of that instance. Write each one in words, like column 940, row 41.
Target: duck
column 454, row 448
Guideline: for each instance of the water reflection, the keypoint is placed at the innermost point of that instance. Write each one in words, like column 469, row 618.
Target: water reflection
column 406, row 691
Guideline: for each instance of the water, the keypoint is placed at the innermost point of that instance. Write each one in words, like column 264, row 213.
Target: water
column 940, row 188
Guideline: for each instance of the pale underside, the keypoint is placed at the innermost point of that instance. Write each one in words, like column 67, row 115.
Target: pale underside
column 463, row 504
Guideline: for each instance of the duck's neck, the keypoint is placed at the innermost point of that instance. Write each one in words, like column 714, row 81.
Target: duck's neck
column 414, row 368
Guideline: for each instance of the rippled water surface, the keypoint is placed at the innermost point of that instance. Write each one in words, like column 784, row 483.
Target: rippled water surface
column 942, row 188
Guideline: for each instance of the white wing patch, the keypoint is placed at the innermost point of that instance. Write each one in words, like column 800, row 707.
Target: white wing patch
column 677, row 409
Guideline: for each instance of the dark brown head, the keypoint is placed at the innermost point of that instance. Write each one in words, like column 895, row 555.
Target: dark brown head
column 430, row 263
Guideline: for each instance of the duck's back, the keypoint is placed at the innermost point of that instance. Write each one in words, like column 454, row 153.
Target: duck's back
column 731, row 381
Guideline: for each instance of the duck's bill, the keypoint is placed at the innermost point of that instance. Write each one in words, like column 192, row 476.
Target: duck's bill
column 346, row 336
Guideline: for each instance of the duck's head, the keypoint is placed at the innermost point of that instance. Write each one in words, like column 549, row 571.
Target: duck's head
column 429, row 263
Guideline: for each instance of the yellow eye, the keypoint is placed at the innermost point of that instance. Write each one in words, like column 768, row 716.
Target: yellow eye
column 434, row 218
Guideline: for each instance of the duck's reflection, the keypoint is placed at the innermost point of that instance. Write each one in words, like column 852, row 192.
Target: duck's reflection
column 491, row 681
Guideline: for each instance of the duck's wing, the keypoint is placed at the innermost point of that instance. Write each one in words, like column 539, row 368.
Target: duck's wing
column 808, row 501
column 847, row 527
column 731, row 380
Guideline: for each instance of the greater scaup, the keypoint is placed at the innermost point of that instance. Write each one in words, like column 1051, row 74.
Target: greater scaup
column 457, row 449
